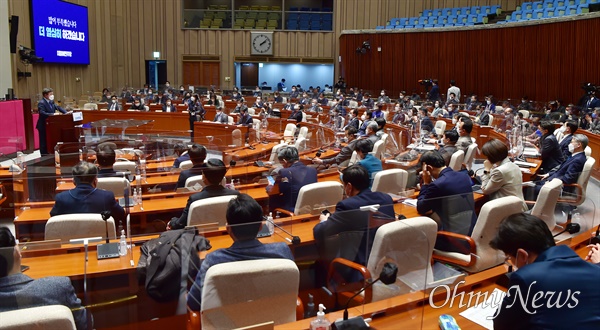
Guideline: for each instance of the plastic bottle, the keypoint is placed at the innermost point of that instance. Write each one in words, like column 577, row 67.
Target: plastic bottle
column 272, row 227
column 135, row 197
column 321, row 323
column 139, row 196
column 310, row 307
column 122, row 244
column 232, row 184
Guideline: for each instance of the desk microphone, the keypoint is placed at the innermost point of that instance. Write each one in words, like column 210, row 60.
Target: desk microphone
column 107, row 250
column 295, row 239
column 387, row 276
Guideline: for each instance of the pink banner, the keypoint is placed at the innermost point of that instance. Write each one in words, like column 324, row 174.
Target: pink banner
column 12, row 127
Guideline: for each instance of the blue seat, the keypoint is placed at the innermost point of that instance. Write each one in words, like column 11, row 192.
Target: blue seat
column 461, row 19
column 293, row 8
column 436, row 12
column 304, row 9
column 292, row 16
column 409, row 27
column 559, row 3
column 448, row 25
column 315, row 25
column 571, row 10
column 315, row 17
column 303, row 25
column 527, row 14
column 538, row 5
column 413, row 21
column 475, row 10
column 381, row 27
column 496, row 9
column 548, row 4
column 428, row 25
column 403, row 21
column 419, row 26
column 398, row 27
column 327, row 17
column 291, row 25
column 469, row 24
column 427, row 12
column 482, row 18
column 387, row 27
column 465, row 11
column 327, row 26
column 516, row 16
column 394, row 21
column 538, row 13
column 560, row 11
column 455, row 11
column 315, row 9
column 527, row 6
column 582, row 9
column 446, row 11
column 423, row 20
column 548, row 12
column 433, row 20
column 472, row 19
column 327, row 9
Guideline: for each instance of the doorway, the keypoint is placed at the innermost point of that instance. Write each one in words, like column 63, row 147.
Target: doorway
column 156, row 72
column 249, row 76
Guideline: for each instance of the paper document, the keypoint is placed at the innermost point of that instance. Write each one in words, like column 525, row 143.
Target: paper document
column 411, row 202
column 483, row 313
column 525, row 164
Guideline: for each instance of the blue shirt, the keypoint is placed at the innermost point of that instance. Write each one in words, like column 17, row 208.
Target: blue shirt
column 239, row 251
column 372, row 165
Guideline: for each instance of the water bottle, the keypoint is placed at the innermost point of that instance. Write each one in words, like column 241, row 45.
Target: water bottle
column 135, row 196
column 139, row 196
column 270, row 224
column 122, row 244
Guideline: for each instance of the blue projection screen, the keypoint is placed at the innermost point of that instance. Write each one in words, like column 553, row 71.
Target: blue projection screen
column 60, row 32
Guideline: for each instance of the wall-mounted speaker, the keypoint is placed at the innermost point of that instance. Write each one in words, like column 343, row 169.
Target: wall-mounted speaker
column 14, row 31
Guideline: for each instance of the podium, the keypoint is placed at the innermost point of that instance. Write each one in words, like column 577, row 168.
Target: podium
column 60, row 128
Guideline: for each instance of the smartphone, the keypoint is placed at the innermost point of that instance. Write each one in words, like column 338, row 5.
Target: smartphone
column 325, row 212
column 271, row 180
column 318, row 154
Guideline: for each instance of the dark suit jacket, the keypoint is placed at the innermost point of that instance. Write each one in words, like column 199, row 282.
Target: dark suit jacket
column 207, row 192
column 180, row 159
column 171, row 108
column 86, row 199
column 434, row 93
column 564, row 146
column 297, row 115
column 221, row 118
column 354, row 123
column 569, row 170
column 117, row 106
column 433, row 196
column 184, row 175
column 45, row 110
column 290, row 180
column 344, row 154
column 484, row 119
column 245, row 120
column 348, row 217
column 19, row 291
column 557, row 276
column 426, row 124
column 551, row 154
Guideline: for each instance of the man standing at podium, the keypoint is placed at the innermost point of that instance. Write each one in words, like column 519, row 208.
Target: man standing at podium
column 46, row 108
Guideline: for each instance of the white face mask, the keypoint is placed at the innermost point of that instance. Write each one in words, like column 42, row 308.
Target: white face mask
column 167, row 85
column 571, row 147
column 296, row 108
column 488, row 102
column 51, row 97
column 363, row 117
column 454, row 121
column 412, row 102
column 168, row 103
column 114, row 101
column 382, row 94
column 193, row 99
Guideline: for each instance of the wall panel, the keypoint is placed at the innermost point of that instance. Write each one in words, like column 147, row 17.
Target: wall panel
column 543, row 61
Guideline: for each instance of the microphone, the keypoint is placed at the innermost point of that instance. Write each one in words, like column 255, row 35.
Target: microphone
column 105, row 216
column 596, row 239
column 387, row 276
column 295, row 239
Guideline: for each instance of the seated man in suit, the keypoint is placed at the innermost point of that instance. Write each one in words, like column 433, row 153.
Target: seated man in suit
column 552, row 287
column 182, row 154
column 114, row 104
column 241, row 105
column 85, row 197
column 366, row 118
column 244, row 216
column 568, row 172
column 353, row 119
column 197, row 155
column 105, row 158
column 372, row 164
column 348, row 216
column 212, row 176
column 168, row 106
column 19, row 291
column 371, row 132
column 245, row 118
column 343, row 157
column 221, row 117
column 570, row 129
column 465, row 126
column 293, row 176
column 549, row 148
column 448, row 200
column 450, row 138
column 297, row 113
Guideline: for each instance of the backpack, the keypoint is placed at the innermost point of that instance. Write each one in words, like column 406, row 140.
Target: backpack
column 160, row 265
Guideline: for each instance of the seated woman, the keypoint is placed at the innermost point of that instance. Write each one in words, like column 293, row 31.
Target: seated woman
column 501, row 177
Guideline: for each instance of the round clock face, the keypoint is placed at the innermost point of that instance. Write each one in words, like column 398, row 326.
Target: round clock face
column 261, row 43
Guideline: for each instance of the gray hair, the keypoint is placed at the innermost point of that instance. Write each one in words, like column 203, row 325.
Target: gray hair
column 290, row 154
column 84, row 172
column 373, row 126
column 582, row 139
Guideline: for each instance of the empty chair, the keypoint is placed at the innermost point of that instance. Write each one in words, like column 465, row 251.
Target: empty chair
column 390, row 181
column 303, row 132
column 290, row 130
column 316, row 197
column 300, row 144
column 545, row 204
column 236, row 136
column 525, row 113
column 266, row 288
column 78, row 225
column 456, row 160
column 123, row 166
column 408, row 244
column 379, row 149
column 440, row 127
column 273, row 159
column 353, row 158
column 90, row 106
column 470, row 155
column 481, row 255
column 209, row 210
column 44, row 317
column 116, row 185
